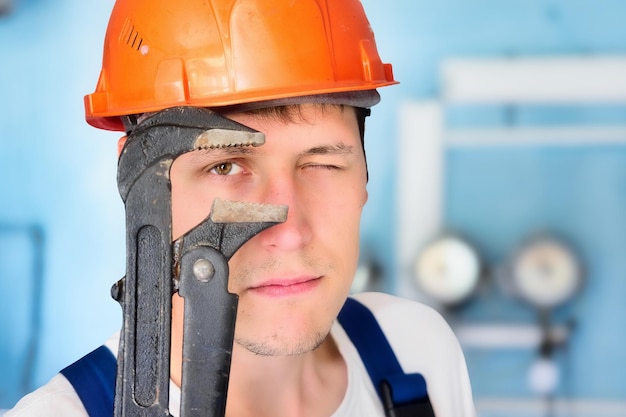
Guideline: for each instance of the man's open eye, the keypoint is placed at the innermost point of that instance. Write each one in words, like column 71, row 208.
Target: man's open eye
column 225, row 168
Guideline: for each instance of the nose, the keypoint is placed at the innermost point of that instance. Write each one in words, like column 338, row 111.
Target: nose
column 296, row 231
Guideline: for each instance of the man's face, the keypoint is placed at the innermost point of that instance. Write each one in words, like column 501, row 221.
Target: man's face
column 293, row 278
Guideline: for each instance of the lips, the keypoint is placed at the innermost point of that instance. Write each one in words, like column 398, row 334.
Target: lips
column 286, row 287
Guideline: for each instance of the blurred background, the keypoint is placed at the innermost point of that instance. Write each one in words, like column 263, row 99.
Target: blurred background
column 497, row 192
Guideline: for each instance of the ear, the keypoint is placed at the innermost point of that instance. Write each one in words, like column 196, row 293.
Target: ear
column 120, row 145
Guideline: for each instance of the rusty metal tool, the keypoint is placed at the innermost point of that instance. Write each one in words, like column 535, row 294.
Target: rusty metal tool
column 196, row 266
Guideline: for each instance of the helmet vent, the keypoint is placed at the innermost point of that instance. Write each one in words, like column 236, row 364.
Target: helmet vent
column 130, row 36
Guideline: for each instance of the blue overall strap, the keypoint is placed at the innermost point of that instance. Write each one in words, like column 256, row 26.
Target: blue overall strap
column 93, row 379
column 402, row 395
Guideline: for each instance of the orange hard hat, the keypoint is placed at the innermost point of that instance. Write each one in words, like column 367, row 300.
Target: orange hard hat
column 165, row 53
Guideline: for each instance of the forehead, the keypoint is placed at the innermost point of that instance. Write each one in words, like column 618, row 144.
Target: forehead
column 295, row 113
column 324, row 117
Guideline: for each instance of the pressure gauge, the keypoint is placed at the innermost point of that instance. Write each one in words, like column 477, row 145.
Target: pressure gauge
column 545, row 272
column 448, row 270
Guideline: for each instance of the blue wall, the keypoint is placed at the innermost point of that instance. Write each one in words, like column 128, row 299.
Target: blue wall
column 498, row 195
column 59, row 174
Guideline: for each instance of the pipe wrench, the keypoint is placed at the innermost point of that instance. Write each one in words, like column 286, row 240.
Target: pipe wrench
column 195, row 265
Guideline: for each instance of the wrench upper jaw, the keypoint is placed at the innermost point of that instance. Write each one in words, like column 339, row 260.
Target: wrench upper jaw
column 165, row 135
column 226, row 138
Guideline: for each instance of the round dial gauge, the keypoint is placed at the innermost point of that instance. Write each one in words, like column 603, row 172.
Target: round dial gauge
column 448, row 270
column 546, row 273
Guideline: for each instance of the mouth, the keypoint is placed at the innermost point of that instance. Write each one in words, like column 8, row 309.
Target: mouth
column 286, row 287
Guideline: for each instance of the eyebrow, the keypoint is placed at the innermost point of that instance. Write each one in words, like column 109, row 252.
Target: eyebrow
column 338, row 149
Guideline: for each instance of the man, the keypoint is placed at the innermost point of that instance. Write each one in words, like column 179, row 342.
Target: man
column 304, row 73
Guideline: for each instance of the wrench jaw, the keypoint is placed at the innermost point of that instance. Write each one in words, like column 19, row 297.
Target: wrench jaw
column 165, row 135
column 229, row 225
column 153, row 261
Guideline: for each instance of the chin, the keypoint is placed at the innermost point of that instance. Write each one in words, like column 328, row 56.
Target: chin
column 286, row 339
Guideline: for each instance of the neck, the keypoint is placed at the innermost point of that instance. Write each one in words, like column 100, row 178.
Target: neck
column 287, row 385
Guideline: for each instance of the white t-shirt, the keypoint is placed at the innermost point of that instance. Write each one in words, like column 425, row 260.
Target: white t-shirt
column 421, row 339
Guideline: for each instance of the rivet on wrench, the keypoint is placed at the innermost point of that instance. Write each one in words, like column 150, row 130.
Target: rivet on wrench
column 203, row 270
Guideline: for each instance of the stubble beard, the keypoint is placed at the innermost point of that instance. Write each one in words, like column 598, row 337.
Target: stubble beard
column 276, row 346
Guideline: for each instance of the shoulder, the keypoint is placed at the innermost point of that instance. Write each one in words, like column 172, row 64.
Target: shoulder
column 382, row 303
column 423, row 342
column 418, row 334
column 400, row 314
column 56, row 398
column 420, row 337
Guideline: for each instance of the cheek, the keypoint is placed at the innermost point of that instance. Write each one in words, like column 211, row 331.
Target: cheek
column 342, row 200
column 189, row 207
column 342, row 220
column 181, row 217
column 352, row 219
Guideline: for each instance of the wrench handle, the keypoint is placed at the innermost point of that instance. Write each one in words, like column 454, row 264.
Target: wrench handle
column 209, row 328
